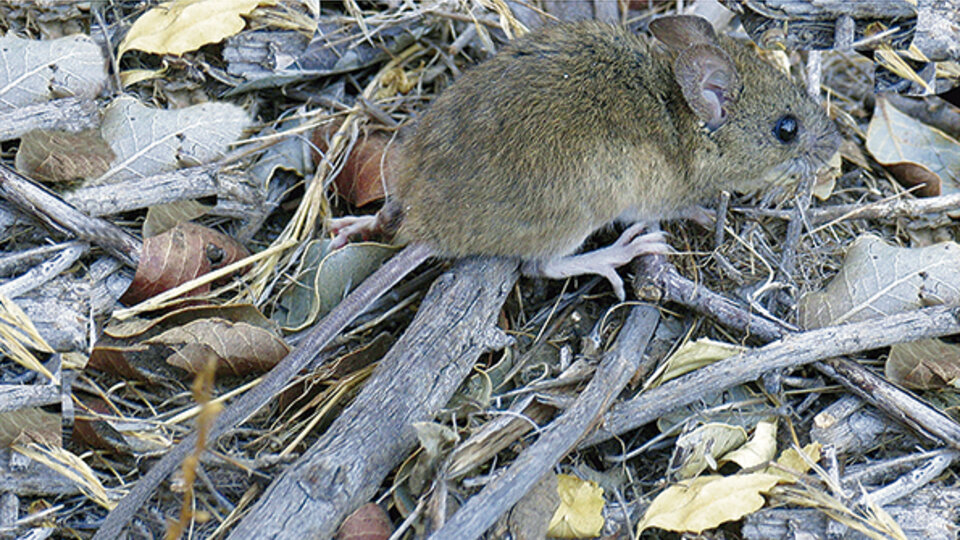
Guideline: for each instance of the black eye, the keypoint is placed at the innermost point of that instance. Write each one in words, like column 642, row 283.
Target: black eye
column 786, row 128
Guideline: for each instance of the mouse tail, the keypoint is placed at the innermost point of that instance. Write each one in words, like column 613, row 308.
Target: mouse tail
column 246, row 405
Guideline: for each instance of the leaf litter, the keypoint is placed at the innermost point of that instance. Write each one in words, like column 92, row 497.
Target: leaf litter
column 174, row 117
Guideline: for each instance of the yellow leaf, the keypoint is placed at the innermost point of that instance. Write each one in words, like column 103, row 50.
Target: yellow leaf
column 694, row 355
column 760, row 449
column 185, row 25
column 706, row 502
column 580, row 514
column 702, row 447
column 791, row 459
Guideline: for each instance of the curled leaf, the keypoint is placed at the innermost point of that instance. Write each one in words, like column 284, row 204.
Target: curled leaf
column 179, row 255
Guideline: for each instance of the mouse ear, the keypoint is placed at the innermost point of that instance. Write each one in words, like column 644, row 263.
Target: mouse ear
column 682, row 31
column 709, row 81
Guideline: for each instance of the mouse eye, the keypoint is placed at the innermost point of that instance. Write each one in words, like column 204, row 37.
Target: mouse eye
column 786, row 128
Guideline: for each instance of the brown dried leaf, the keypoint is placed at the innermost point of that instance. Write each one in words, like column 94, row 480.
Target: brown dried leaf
column 928, row 363
column 369, row 522
column 238, row 348
column 368, row 172
column 148, row 349
column 63, row 157
column 96, row 433
column 911, row 174
column 179, row 255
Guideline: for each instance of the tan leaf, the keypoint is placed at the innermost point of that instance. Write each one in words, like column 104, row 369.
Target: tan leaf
column 580, row 514
column 29, row 425
column 760, row 449
column 179, row 255
column 62, row 156
column 369, row 522
column 924, row 364
column 141, row 349
column 702, row 447
column 185, row 25
column 238, row 348
column 706, row 502
column 369, row 170
column 163, row 217
column 878, row 279
column 895, row 138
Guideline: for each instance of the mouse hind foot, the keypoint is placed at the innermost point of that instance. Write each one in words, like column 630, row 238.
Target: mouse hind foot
column 605, row 261
column 385, row 222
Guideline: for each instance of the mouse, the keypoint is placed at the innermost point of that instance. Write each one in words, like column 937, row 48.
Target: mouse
column 565, row 131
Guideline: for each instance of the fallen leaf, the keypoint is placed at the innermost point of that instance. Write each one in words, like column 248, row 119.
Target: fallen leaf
column 238, row 348
column 792, row 460
column 163, row 217
column 29, row 425
column 693, row 355
column 924, row 364
column 896, row 138
column 760, row 449
column 702, row 447
column 368, row 172
column 149, row 141
column 62, row 156
column 323, row 279
column 179, row 255
column 35, row 71
column 580, row 514
column 878, row 279
column 912, row 175
column 369, row 522
column 706, row 502
column 169, row 347
column 186, row 25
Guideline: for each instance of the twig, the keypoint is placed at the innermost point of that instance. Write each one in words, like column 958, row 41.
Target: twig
column 41, row 204
column 615, row 371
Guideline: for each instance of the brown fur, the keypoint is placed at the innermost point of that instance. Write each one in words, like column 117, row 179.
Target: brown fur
column 573, row 126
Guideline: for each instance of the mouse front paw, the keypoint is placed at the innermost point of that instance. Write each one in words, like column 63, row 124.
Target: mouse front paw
column 604, row 262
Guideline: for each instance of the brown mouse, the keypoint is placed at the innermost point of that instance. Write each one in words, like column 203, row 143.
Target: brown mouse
column 563, row 132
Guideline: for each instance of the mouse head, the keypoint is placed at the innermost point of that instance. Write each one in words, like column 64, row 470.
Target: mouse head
column 757, row 126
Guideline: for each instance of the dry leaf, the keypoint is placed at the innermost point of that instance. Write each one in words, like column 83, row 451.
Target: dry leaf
column 238, row 348
column 911, row 175
column 163, row 217
column 179, row 255
column 792, row 460
column 706, row 502
column 323, row 279
column 693, row 355
column 896, row 138
column 186, row 25
column 760, row 449
column 580, row 514
column 369, row 522
column 924, row 364
column 150, row 141
column 33, row 71
column 702, row 447
column 878, row 279
column 239, row 336
column 368, row 172
column 62, row 156
column 29, row 425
